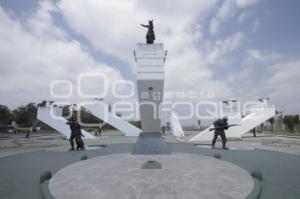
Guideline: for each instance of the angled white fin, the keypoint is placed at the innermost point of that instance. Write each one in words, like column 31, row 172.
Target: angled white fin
column 258, row 115
column 114, row 120
column 175, row 125
column 58, row 123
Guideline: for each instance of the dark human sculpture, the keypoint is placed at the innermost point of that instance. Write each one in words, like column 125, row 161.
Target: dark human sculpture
column 220, row 126
column 254, row 132
column 75, row 134
column 150, row 37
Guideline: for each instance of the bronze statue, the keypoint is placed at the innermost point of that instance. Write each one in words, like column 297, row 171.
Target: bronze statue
column 75, row 133
column 150, row 37
column 220, row 126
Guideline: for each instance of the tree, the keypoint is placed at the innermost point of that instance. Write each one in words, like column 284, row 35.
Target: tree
column 6, row 116
column 290, row 121
column 271, row 121
column 136, row 123
column 25, row 115
column 296, row 119
column 85, row 115
column 88, row 117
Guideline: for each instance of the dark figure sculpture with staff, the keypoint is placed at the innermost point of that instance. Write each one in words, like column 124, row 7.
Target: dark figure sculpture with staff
column 220, row 126
column 150, row 37
column 75, row 133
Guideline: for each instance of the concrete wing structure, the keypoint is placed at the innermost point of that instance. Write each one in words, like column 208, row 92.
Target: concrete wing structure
column 258, row 114
column 114, row 120
column 58, row 122
column 176, row 128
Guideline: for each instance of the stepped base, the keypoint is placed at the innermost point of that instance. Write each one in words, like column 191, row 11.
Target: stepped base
column 150, row 143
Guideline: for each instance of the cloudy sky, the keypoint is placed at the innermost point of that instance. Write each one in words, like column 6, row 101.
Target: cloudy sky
column 242, row 49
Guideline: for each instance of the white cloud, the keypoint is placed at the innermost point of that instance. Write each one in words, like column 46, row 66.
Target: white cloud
column 198, row 33
column 285, row 84
column 35, row 53
column 245, row 3
column 262, row 56
column 268, row 74
column 41, row 23
column 226, row 11
column 287, row 73
column 224, row 47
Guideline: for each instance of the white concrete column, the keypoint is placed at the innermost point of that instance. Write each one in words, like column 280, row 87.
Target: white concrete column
column 150, row 60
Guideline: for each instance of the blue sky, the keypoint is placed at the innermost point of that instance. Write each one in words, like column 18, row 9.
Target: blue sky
column 242, row 49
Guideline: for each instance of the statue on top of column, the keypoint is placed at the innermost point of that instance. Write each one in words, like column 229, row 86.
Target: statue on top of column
column 150, row 37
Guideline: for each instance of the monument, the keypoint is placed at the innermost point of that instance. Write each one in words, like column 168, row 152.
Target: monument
column 150, row 59
column 189, row 172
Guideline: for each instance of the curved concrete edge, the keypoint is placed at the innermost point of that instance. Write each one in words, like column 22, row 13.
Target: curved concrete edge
column 254, row 194
column 44, row 189
column 257, row 188
column 256, row 191
column 45, row 177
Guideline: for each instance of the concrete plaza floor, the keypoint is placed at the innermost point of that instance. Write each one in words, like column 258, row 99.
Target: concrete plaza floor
column 23, row 160
column 178, row 176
